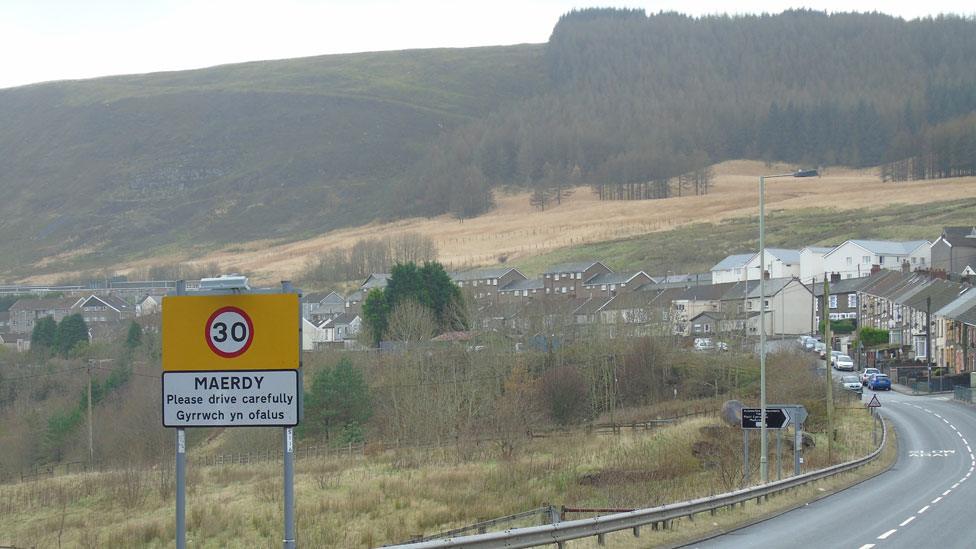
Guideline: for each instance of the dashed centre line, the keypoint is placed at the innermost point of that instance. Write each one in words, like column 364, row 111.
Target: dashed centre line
column 888, row 533
column 866, row 546
column 924, row 509
column 937, row 500
column 946, row 493
column 909, row 519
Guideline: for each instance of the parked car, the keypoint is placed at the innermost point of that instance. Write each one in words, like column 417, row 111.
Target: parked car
column 721, row 346
column 851, row 383
column 867, row 373
column 833, row 358
column 810, row 343
column 703, row 344
column 879, row 382
column 844, row 363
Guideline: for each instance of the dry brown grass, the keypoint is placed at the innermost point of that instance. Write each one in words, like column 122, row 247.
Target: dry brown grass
column 386, row 498
column 516, row 230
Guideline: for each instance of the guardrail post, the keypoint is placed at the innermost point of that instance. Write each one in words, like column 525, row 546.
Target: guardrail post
column 636, row 531
column 554, row 515
column 601, row 539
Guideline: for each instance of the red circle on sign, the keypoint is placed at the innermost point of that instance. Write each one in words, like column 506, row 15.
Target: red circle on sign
column 208, row 332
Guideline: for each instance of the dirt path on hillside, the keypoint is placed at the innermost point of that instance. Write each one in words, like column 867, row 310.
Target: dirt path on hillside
column 515, row 229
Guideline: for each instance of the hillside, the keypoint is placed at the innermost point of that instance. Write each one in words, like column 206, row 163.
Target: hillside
column 142, row 168
column 842, row 203
column 120, row 167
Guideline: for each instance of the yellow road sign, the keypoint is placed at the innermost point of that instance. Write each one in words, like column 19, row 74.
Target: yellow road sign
column 231, row 332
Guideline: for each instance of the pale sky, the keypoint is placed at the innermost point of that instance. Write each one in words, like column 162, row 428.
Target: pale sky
column 42, row 40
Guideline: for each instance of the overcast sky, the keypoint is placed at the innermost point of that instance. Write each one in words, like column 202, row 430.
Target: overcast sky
column 43, row 40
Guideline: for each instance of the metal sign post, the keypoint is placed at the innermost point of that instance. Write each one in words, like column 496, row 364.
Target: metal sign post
column 231, row 359
column 745, row 458
column 181, row 489
column 289, row 482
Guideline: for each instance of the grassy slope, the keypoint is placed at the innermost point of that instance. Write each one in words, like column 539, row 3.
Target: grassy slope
column 108, row 168
column 389, row 497
column 697, row 247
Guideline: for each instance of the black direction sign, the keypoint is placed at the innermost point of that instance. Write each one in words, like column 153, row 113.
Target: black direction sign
column 776, row 418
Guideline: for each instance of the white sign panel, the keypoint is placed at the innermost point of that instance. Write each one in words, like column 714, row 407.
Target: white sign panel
column 252, row 398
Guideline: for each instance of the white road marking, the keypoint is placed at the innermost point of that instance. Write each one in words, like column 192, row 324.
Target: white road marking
column 954, row 486
column 926, row 410
column 888, row 533
column 866, row 546
column 950, row 425
column 964, row 441
column 936, row 500
column 945, row 420
column 946, row 493
column 938, row 416
column 909, row 519
column 923, row 509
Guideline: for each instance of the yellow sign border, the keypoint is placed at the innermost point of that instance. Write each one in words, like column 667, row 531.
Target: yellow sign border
column 276, row 343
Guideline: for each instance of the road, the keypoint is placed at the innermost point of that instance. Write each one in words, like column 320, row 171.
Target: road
column 920, row 502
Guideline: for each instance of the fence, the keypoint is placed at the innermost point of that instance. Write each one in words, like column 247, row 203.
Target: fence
column 963, row 393
column 39, row 472
column 662, row 516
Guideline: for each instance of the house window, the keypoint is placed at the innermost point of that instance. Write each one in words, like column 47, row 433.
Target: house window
column 866, row 260
column 921, row 261
column 603, row 286
column 494, row 282
column 914, row 260
column 766, row 304
column 880, row 260
column 579, row 276
column 850, row 260
column 547, row 290
column 613, row 286
column 833, row 302
column 851, row 301
column 564, row 289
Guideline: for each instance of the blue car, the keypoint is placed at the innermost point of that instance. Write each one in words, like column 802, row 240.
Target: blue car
column 879, row 382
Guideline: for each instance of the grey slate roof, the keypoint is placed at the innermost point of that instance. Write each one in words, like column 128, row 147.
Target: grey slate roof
column 577, row 267
column 941, row 292
column 965, row 301
column 705, row 292
column 960, row 236
column 890, row 247
column 733, row 262
column 480, row 274
column 773, row 286
column 528, row 284
column 843, row 286
column 790, row 257
column 613, row 278
column 375, row 280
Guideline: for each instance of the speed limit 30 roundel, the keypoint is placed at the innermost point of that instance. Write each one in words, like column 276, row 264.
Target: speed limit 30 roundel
column 229, row 332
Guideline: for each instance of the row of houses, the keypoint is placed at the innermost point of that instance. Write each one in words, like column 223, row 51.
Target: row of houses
column 102, row 313
column 954, row 252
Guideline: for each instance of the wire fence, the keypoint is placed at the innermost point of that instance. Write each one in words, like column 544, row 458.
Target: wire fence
column 352, row 449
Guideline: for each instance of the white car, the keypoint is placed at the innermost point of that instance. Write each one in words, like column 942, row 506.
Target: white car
column 844, row 362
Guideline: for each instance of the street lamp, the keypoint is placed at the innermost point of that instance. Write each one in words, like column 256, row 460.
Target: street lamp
column 763, row 435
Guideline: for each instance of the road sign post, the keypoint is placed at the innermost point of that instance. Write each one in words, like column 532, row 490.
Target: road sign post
column 232, row 359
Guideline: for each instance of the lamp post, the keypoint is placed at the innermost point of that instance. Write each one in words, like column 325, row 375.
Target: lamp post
column 763, row 435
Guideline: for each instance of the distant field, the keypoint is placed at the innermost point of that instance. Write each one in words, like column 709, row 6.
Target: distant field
column 842, row 203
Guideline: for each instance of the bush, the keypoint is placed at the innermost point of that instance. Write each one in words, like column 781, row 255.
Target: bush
column 565, row 394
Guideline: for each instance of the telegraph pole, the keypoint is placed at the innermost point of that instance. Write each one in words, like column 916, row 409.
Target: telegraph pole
column 830, row 377
column 91, row 438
